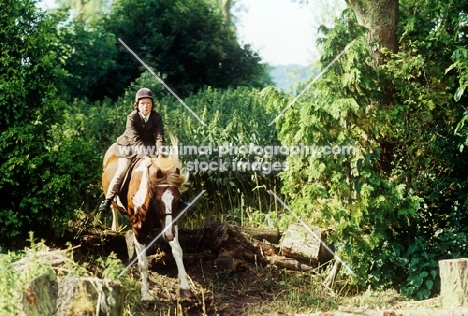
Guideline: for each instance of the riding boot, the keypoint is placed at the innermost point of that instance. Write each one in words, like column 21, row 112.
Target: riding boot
column 114, row 185
column 112, row 191
column 105, row 205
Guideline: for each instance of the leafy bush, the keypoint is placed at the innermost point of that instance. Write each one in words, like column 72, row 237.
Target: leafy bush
column 406, row 179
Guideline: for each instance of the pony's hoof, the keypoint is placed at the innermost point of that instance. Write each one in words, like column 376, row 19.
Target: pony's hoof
column 147, row 297
column 185, row 294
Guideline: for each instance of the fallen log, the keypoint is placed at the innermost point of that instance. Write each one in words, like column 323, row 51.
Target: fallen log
column 231, row 246
column 271, row 236
column 236, row 246
column 283, row 262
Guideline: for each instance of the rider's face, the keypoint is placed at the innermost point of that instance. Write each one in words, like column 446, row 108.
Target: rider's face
column 145, row 105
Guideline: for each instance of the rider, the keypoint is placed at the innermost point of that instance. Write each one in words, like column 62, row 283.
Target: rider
column 144, row 131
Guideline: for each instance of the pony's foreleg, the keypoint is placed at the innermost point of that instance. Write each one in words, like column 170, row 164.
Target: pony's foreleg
column 115, row 219
column 143, row 265
column 178, row 256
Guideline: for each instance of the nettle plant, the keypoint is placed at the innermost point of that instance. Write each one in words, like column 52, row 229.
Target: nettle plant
column 234, row 118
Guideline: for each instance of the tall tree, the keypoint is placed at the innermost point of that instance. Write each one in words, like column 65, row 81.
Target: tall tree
column 186, row 42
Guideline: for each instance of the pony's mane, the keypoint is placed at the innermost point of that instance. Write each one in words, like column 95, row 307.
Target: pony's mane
column 171, row 167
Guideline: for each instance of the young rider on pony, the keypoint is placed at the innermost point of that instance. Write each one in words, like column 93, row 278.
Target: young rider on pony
column 144, row 131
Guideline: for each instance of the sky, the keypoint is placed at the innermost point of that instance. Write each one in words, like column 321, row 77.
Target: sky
column 281, row 31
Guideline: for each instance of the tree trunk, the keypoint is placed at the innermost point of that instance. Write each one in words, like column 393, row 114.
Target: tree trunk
column 226, row 9
column 454, row 283
column 380, row 18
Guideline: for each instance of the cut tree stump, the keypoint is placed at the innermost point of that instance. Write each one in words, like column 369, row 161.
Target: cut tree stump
column 299, row 243
column 454, row 282
column 40, row 296
column 90, row 296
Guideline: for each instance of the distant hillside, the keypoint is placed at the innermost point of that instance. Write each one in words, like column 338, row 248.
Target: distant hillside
column 287, row 76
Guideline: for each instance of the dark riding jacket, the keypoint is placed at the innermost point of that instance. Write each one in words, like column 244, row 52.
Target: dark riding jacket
column 141, row 138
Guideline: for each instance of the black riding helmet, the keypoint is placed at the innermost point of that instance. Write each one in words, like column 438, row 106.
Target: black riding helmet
column 143, row 93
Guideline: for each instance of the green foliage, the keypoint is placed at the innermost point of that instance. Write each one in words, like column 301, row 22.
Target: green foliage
column 186, row 43
column 87, row 52
column 234, row 118
column 460, row 64
column 10, row 284
column 51, row 151
column 29, row 106
column 422, row 266
column 28, row 66
column 386, row 201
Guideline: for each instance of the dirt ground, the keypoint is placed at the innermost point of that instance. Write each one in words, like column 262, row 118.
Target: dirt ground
column 215, row 292
column 250, row 290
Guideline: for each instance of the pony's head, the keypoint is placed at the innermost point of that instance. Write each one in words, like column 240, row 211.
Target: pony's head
column 166, row 180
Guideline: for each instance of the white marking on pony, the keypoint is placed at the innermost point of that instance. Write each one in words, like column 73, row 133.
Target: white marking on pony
column 167, row 198
column 143, row 265
column 140, row 196
column 178, row 255
column 115, row 219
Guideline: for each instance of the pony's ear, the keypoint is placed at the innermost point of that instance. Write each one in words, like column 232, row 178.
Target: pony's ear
column 159, row 174
column 177, row 171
